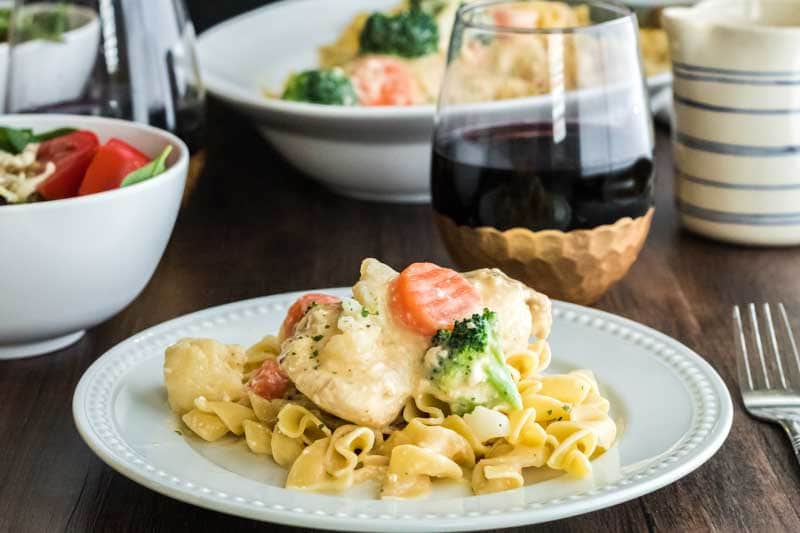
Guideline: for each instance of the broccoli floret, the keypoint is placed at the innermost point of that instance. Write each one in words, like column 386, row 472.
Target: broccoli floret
column 412, row 33
column 324, row 86
column 441, row 337
column 469, row 367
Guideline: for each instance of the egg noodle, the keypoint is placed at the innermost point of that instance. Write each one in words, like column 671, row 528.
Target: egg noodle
column 562, row 424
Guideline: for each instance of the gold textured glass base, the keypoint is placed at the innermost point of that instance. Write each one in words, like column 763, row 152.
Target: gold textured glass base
column 577, row 266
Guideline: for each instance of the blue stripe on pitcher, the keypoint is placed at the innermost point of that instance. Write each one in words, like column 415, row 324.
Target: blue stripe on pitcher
column 681, row 75
column 739, row 186
column 735, row 72
column 749, row 219
column 733, row 110
column 743, row 150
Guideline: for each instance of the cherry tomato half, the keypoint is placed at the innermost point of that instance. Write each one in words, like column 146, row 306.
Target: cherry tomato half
column 71, row 154
column 113, row 161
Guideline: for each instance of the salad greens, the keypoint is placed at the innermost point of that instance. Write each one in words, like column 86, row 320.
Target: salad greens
column 67, row 163
column 151, row 169
column 14, row 140
column 47, row 25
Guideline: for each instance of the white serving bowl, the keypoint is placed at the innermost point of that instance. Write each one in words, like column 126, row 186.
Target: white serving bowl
column 371, row 153
column 68, row 265
column 47, row 72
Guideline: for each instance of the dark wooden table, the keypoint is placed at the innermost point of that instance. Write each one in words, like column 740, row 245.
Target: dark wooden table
column 254, row 226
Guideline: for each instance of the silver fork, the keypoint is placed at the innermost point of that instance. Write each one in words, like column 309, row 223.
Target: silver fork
column 767, row 396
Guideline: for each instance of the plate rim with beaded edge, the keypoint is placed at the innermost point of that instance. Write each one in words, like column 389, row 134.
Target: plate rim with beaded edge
column 658, row 443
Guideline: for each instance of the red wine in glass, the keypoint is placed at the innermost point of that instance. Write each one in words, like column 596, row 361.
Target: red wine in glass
column 531, row 175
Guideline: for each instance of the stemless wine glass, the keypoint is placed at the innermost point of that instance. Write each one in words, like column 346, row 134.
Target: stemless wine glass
column 129, row 59
column 542, row 152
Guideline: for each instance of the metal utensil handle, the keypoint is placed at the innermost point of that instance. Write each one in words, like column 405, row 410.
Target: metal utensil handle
column 792, row 427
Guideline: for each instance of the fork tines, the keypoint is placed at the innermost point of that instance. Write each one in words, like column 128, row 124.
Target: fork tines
column 788, row 368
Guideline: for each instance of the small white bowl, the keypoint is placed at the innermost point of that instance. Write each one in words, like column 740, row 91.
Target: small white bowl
column 70, row 264
column 48, row 72
column 371, row 153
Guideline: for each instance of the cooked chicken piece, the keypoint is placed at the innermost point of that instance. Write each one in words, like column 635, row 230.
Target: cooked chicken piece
column 352, row 359
column 521, row 311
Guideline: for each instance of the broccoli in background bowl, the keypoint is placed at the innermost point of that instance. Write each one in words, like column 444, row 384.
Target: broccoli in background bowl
column 412, row 33
column 329, row 86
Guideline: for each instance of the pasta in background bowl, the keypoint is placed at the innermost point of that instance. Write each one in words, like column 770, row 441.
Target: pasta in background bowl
column 369, row 62
column 404, row 384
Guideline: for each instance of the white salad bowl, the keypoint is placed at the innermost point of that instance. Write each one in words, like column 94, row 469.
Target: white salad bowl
column 371, row 153
column 70, row 264
column 47, row 72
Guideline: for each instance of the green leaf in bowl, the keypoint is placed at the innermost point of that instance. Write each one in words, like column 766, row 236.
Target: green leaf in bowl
column 151, row 169
column 14, row 140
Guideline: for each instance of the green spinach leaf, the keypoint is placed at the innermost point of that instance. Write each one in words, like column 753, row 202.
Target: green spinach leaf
column 47, row 24
column 18, row 139
column 52, row 134
column 151, row 169
column 5, row 23
column 14, row 140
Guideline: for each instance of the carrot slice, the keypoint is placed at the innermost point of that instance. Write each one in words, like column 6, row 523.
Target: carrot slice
column 299, row 309
column 382, row 81
column 426, row 297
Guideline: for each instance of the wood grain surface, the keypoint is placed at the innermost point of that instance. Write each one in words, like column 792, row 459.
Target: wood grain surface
column 254, row 226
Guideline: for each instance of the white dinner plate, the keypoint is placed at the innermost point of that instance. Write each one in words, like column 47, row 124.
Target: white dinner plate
column 672, row 408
